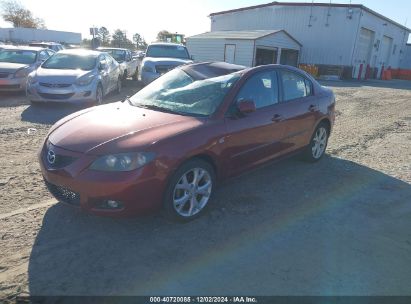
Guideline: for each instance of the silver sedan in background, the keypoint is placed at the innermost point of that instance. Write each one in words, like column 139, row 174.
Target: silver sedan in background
column 75, row 76
column 18, row 62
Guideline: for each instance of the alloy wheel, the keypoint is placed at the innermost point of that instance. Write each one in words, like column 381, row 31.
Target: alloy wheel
column 319, row 142
column 192, row 192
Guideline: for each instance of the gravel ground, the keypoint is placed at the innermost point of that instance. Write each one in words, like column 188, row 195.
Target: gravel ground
column 338, row 227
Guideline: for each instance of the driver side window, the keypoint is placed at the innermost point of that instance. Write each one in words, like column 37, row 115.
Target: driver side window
column 262, row 88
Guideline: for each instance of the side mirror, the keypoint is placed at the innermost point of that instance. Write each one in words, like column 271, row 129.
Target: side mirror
column 246, row 106
column 192, row 57
column 102, row 66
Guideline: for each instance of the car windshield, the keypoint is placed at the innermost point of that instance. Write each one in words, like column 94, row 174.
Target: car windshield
column 18, row 56
column 177, row 92
column 70, row 62
column 118, row 55
column 170, row 51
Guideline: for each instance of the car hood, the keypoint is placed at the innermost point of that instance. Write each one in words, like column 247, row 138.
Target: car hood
column 59, row 76
column 166, row 61
column 117, row 127
column 8, row 67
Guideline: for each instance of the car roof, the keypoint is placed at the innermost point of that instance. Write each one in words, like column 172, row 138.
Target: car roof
column 25, row 48
column 111, row 48
column 206, row 70
column 45, row 43
column 83, row 52
column 167, row 43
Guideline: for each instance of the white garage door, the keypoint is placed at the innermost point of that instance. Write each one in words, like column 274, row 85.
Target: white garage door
column 364, row 46
column 386, row 50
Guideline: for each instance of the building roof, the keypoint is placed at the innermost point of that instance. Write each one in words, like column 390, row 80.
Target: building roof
column 246, row 35
column 276, row 3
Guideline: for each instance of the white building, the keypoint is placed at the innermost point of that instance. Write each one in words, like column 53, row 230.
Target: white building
column 27, row 35
column 332, row 35
column 248, row 48
column 407, row 58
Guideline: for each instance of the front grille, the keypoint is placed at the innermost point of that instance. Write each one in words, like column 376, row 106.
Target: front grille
column 63, row 194
column 55, row 85
column 161, row 69
column 4, row 75
column 56, row 96
column 61, row 161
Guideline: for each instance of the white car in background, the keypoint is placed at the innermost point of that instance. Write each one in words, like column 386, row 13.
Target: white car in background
column 161, row 58
column 16, row 63
column 128, row 64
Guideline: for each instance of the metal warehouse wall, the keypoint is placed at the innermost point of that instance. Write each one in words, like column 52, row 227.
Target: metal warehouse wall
column 383, row 28
column 24, row 35
column 279, row 40
column 209, row 49
column 406, row 62
column 326, row 34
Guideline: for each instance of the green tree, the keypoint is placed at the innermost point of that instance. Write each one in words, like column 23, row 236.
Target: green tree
column 119, row 39
column 104, row 36
column 162, row 35
column 13, row 12
column 137, row 39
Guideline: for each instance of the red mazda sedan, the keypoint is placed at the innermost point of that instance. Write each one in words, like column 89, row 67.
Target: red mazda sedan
column 167, row 146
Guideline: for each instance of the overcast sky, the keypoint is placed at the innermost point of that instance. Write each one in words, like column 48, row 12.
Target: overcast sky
column 148, row 17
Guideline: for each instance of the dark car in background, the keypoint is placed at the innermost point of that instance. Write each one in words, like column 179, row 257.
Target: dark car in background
column 169, row 144
column 162, row 57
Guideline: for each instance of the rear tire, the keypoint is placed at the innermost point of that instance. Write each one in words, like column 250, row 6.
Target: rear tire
column 318, row 144
column 189, row 191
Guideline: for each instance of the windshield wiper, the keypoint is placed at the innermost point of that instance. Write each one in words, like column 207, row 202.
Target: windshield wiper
column 157, row 108
column 128, row 100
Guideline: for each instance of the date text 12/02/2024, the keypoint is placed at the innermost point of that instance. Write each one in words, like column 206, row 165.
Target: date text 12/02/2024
column 203, row 299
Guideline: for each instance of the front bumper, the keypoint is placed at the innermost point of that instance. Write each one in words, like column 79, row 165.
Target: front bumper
column 70, row 94
column 13, row 84
column 139, row 191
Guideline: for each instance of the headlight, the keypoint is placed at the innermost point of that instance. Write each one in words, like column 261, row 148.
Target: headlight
column 148, row 69
column 122, row 161
column 85, row 80
column 21, row 73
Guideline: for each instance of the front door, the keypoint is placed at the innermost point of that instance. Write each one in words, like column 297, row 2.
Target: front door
column 255, row 137
column 229, row 53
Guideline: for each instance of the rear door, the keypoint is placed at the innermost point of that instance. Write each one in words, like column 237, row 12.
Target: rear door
column 298, row 109
column 255, row 137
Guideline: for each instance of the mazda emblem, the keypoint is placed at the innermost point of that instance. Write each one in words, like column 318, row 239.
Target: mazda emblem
column 51, row 157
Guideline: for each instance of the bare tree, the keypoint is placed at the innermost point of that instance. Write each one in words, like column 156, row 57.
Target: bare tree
column 13, row 12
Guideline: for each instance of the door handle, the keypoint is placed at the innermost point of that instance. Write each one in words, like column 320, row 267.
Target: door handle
column 277, row 118
column 312, row 108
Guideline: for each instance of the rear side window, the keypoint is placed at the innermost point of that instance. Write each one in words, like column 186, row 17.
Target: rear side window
column 262, row 88
column 295, row 86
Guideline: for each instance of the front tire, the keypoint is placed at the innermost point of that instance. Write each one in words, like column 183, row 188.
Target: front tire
column 135, row 75
column 189, row 191
column 99, row 95
column 119, row 85
column 319, row 140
